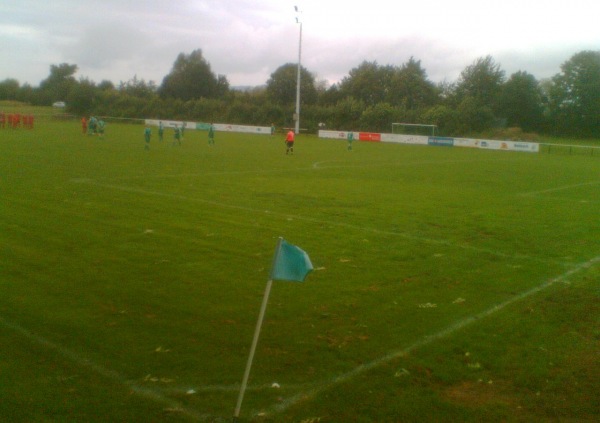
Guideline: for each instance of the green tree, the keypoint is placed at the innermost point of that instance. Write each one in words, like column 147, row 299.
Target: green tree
column 369, row 83
column 283, row 83
column 192, row 78
column 481, row 81
column 138, row 88
column 222, row 88
column 82, row 98
column 330, row 96
column 410, row 87
column 9, row 89
column 574, row 102
column 521, row 102
column 59, row 83
column 473, row 118
column 444, row 117
column 346, row 114
column 406, row 86
column 106, row 85
column 378, row 117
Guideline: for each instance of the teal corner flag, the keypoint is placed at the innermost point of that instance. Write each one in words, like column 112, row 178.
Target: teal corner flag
column 290, row 263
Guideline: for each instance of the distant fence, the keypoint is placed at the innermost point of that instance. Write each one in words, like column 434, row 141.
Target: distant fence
column 72, row 117
column 585, row 150
column 203, row 126
column 524, row 146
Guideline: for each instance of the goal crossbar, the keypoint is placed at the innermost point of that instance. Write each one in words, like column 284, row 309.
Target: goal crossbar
column 419, row 125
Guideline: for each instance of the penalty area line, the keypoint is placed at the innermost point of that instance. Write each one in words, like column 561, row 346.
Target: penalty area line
column 311, row 393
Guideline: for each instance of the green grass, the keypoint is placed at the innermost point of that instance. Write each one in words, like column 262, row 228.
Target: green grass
column 131, row 277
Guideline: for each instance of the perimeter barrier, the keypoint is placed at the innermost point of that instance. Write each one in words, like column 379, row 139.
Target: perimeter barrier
column 523, row 146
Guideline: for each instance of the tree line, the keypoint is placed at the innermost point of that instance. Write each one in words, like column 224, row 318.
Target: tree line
column 369, row 98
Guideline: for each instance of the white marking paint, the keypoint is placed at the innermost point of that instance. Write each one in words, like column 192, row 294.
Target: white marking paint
column 103, row 371
column 561, row 188
column 288, row 216
column 285, row 404
column 282, row 406
column 315, row 165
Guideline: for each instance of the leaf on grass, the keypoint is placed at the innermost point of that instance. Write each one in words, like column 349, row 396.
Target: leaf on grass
column 150, row 378
column 401, row 372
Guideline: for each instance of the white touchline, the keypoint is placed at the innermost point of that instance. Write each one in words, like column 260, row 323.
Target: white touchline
column 313, row 220
column 562, row 188
column 102, row 371
column 282, row 406
column 318, row 165
column 285, row 404
column 315, row 165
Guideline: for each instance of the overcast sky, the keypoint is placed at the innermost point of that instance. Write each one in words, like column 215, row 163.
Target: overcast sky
column 247, row 40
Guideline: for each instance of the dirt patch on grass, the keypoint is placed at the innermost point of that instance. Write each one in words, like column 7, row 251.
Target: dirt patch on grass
column 478, row 394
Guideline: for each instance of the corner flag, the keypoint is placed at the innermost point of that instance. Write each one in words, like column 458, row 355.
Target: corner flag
column 290, row 263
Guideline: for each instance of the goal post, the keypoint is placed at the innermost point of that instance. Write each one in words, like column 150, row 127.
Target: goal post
column 414, row 129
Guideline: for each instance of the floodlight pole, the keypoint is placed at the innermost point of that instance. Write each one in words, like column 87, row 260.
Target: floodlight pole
column 297, row 115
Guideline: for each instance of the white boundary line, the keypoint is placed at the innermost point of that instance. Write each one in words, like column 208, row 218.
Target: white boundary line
column 281, row 407
column 565, row 199
column 322, row 222
column 315, row 166
column 103, row 371
column 561, row 188
column 284, row 405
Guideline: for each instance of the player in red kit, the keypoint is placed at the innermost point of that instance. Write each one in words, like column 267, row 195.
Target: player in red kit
column 289, row 142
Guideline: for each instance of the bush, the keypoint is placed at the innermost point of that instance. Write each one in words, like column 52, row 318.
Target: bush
column 511, row 134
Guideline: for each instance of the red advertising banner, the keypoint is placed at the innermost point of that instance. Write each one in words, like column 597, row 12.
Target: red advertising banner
column 369, row 136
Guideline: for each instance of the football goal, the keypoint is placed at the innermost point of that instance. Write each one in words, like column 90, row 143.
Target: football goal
column 414, row 129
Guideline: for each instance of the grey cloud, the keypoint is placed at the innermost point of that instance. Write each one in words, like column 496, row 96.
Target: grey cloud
column 100, row 46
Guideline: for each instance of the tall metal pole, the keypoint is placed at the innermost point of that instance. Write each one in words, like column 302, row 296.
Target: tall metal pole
column 297, row 116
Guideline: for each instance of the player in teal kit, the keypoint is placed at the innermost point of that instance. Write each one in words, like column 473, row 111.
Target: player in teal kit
column 147, row 135
column 177, row 136
column 101, row 126
column 211, row 135
column 161, row 131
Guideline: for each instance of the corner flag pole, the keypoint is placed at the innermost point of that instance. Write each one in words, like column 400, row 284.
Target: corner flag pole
column 256, row 335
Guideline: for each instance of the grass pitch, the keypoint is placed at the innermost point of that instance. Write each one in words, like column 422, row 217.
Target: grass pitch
column 450, row 284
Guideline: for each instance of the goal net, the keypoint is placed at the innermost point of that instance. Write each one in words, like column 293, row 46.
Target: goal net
column 414, row 129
